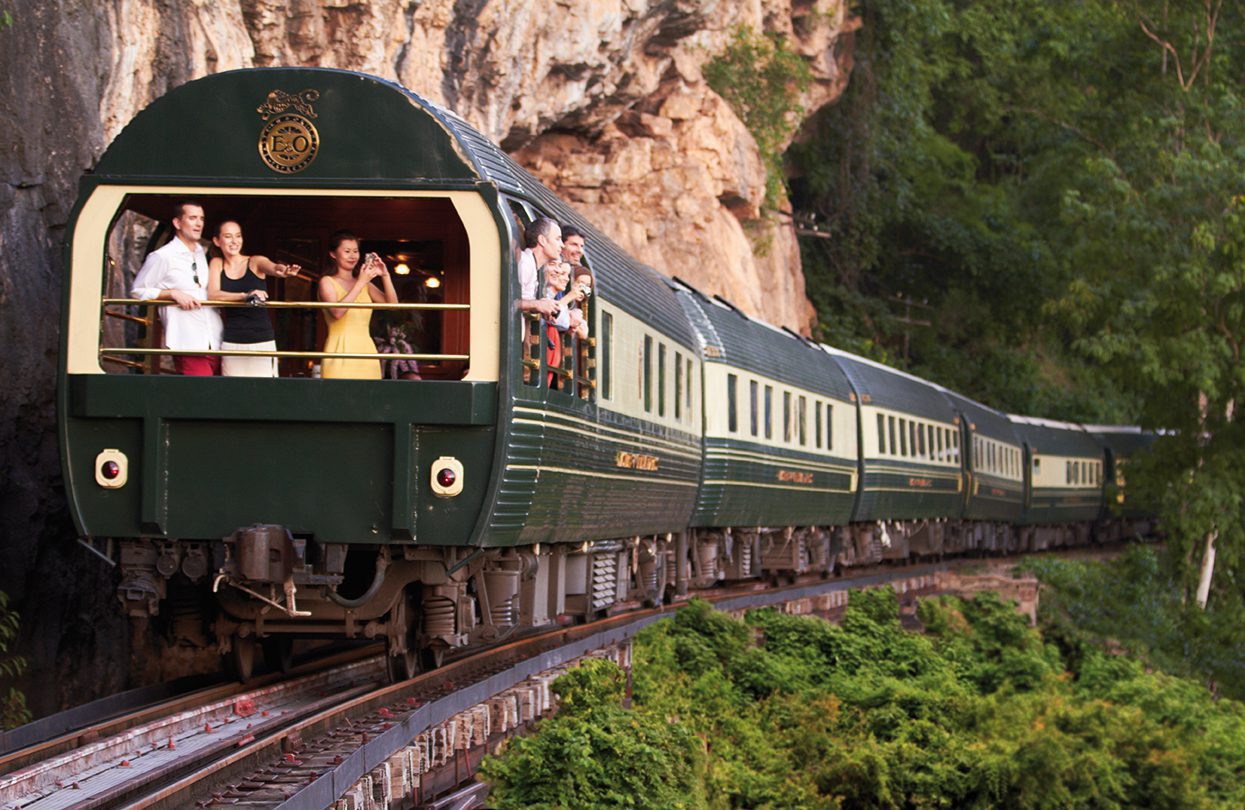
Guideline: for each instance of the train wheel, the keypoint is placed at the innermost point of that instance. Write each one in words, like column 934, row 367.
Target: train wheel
column 402, row 664
column 278, row 653
column 243, row 658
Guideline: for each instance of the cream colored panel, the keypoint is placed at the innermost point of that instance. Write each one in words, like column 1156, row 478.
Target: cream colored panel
column 626, row 371
column 717, row 414
column 91, row 235
column 1052, row 471
column 485, row 250
column 869, row 415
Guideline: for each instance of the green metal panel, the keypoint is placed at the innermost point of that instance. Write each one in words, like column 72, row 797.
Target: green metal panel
column 573, row 473
column 750, row 484
column 894, row 489
column 341, row 460
column 369, row 129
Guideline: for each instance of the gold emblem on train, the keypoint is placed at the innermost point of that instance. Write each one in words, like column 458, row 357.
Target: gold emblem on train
column 289, row 141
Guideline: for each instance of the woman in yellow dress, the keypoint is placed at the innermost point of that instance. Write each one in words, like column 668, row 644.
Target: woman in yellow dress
column 348, row 326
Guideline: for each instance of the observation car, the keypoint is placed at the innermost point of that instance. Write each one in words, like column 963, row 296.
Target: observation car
column 506, row 484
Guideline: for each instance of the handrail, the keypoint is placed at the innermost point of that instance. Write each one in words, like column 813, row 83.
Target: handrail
column 162, row 302
column 279, row 353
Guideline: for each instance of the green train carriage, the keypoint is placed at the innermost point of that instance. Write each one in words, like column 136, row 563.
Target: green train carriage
column 1063, row 482
column 994, row 491
column 780, row 447
column 314, row 506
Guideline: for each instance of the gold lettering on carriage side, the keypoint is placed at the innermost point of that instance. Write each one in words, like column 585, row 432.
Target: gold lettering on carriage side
column 922, row 483
column 795, row 477
column 636, row 461
column 998, row 493
column 289, row 141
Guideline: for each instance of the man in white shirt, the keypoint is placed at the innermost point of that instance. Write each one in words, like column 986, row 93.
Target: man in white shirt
column 178, row 272
column 544, row 244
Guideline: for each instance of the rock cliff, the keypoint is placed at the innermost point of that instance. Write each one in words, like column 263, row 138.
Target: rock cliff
column 604, row 100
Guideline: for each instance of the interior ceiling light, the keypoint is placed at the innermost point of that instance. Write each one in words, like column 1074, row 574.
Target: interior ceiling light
column 432, row 282
column 402, row 269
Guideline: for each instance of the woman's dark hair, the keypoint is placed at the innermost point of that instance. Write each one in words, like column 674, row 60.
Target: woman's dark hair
column 224, row 222
column 335, row 241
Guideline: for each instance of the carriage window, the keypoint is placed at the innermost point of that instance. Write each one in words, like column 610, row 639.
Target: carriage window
column 786, row 416
column 801, row 420
column 920, row 441
column 647, row 373
column 752, row 395
column 938, row 438
column 903, row 437
column 829, row 426
column 607, row 354
column 678, row 387
column 661, row 379
column 769, row 411
column 890, row 429
column 422, row 240
column 956, row 443
column 929, row 442
column 817, row 417
column 687, row 387
column 732, row 417
column 881, row 434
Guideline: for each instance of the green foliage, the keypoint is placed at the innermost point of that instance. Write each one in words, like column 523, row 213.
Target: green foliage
column 593, row 753
column 13, row 711
column 1041, row 205
column 1134, row 604
column 762, row 80
column 795, row 712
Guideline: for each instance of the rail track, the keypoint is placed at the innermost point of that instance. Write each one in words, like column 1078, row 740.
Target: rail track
column 307, row 741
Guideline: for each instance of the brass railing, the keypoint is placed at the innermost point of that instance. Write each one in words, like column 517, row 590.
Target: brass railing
column 576, row 366
column 115, row 354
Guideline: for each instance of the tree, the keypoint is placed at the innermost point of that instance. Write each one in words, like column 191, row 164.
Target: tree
column 594, row 753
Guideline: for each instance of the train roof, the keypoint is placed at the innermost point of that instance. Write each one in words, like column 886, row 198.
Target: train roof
column 759, row 347
column 887, row 387
column 1052, row 437
column 370, row 133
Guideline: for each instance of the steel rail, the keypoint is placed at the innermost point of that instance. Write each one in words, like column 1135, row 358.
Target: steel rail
column 453, row 691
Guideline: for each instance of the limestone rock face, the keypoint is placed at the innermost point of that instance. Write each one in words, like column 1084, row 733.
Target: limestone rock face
column 604, row 100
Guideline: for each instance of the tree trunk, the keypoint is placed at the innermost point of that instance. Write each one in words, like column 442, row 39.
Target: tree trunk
column 1208, row 570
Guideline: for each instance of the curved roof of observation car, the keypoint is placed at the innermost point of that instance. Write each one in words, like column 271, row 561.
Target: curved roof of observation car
column 373, row 133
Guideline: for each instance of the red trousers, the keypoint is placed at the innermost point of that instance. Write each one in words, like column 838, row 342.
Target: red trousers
column 197, row 366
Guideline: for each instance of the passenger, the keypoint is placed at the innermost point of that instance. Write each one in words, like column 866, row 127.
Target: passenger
column 236, row 277
column 544, row 244
column 577, row 298
column 557, row 275
column 178, row 272
column 573, row 246
column 350, row 283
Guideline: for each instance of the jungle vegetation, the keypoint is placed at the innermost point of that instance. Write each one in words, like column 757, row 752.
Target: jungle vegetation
column 980, row 711
column 1042, row 205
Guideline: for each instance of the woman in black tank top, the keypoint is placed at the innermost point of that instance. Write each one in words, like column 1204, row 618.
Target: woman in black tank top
column 235, row 277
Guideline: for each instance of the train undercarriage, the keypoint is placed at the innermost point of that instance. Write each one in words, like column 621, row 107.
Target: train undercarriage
column 270, row 587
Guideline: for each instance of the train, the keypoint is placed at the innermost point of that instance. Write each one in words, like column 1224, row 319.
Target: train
column 498, row 483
